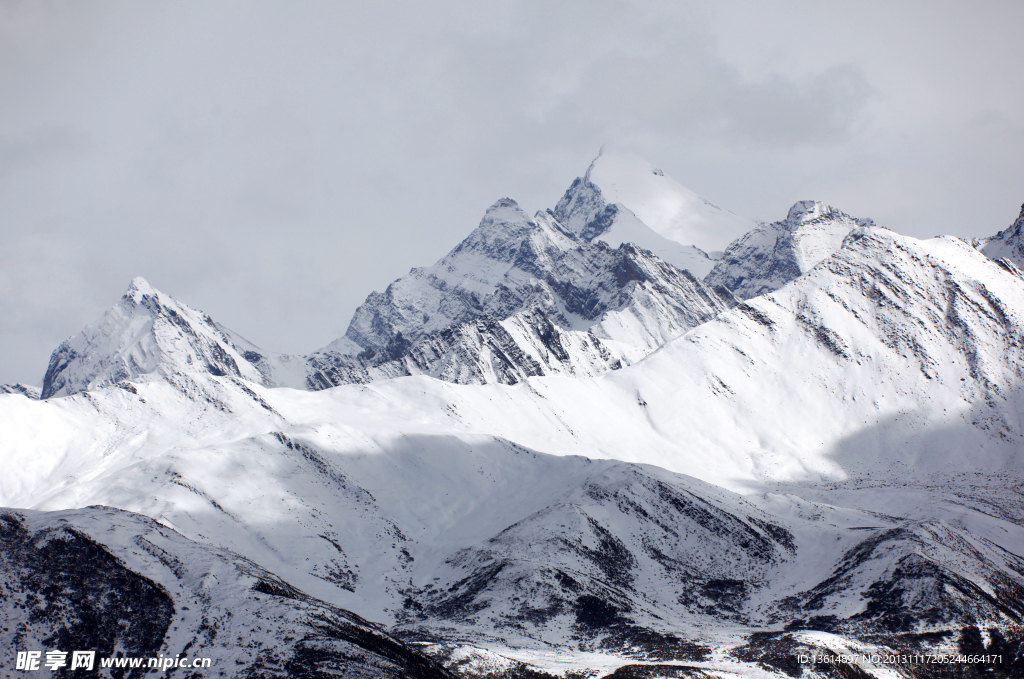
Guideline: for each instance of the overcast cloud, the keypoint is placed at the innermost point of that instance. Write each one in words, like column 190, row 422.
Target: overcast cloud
column 272, row 162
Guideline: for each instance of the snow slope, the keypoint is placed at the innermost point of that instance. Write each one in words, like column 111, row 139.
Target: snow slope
column 474, row 537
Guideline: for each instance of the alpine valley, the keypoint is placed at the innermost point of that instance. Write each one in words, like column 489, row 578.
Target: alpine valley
column 632, row 436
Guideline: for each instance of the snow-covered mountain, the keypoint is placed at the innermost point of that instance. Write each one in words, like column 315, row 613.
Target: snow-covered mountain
column 1007, row 244
column 422, row 504
column 833, row 465
column 524, row 297
column 518, row 298
column 147, row 333
column 774, row 254
column 887, row 337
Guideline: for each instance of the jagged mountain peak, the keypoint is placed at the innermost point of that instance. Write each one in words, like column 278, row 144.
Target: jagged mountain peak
column 813, row 211
column 141, row 293
column 528, row 293
column 148, row 332
column 520, row 297
column 140, row 287
column 505, row 204
column 808, row 210
column 505, row 232
column 505, row 215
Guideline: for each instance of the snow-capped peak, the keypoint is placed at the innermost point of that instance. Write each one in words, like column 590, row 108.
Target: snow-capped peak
column 505, row 209
column 542, row 281
column 662, row 203
column 807, row 210
column 624, row 199
column 813, row 211
column 147, row 332
column 139, row 288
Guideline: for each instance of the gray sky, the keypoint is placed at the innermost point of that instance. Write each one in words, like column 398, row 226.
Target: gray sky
column 273, row 162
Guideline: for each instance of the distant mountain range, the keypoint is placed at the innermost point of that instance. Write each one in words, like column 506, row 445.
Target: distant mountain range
column 633, row 435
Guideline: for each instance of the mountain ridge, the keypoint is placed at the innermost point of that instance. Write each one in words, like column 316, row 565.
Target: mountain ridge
column 772, row 255
column 518, row 297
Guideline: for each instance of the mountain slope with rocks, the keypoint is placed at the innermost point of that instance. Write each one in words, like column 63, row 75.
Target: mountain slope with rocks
column 149, row 333
column 26, row 390
column 122, row 585
column 774, row 254
column 518, row 298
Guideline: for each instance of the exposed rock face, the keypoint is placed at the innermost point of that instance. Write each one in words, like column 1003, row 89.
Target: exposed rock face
column 774, row 254
column 63, row 591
